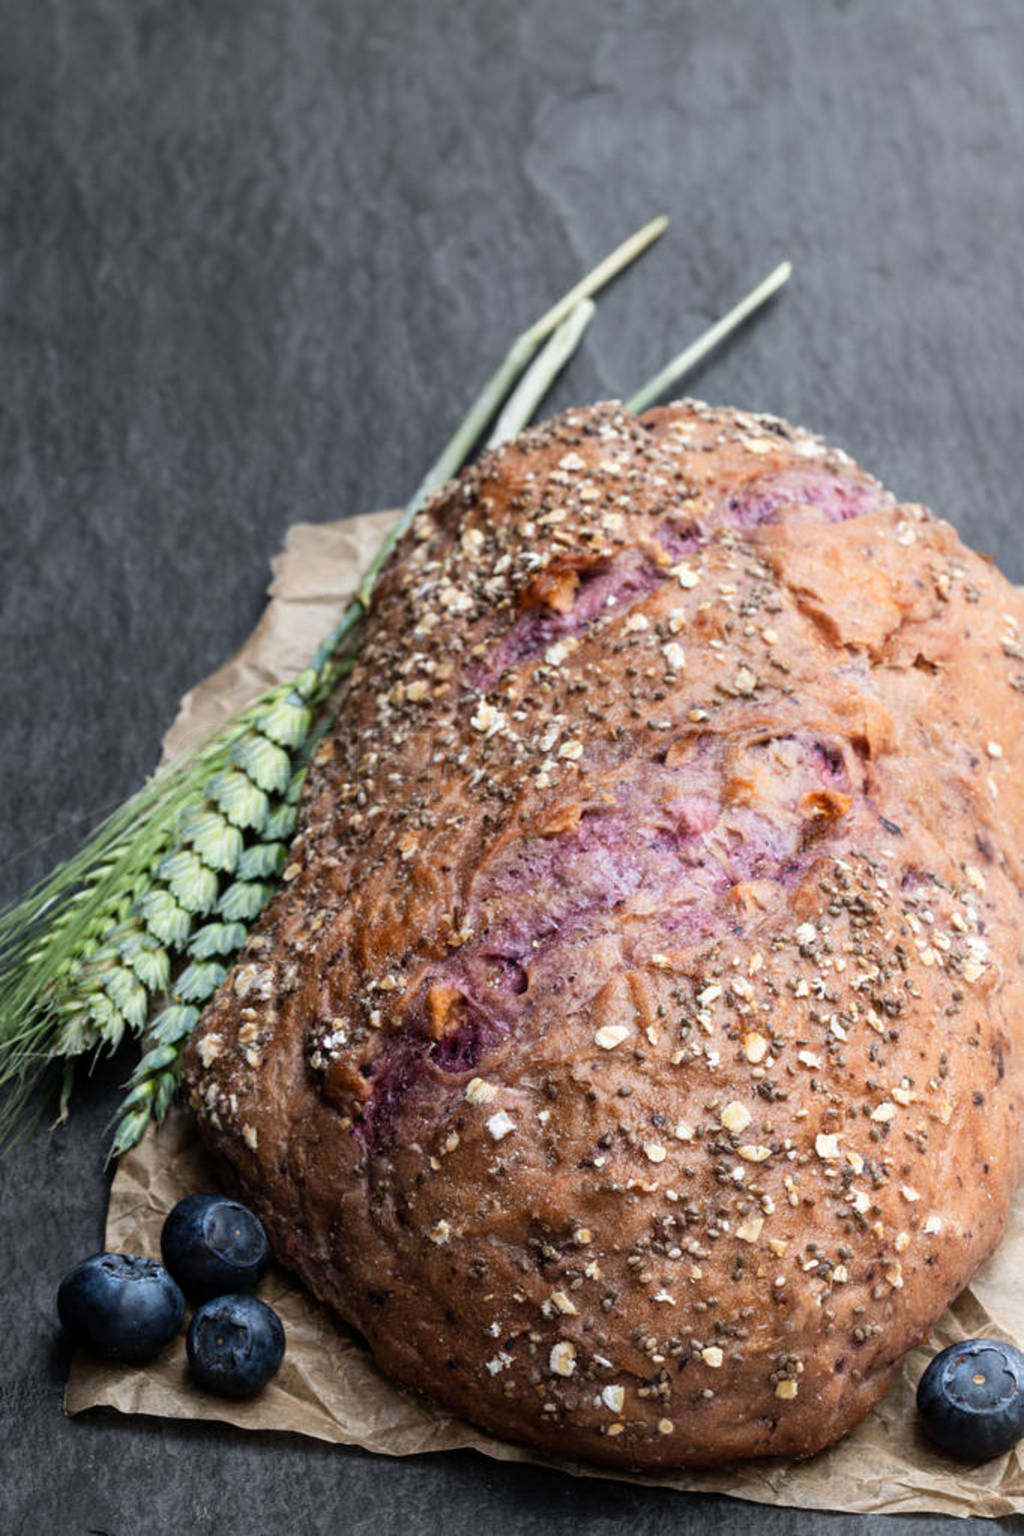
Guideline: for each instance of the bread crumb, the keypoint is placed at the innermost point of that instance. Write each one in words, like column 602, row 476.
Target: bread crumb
column 487, row 719
column 562, row 1359
column 735, row 1116
column 209, row 1048
column 611, row 1035
column 755, row 1047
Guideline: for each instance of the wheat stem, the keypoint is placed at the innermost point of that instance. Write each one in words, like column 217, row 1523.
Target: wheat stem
column 459, row 446
column 520, row 353
column 524, row 400
column 696, row 352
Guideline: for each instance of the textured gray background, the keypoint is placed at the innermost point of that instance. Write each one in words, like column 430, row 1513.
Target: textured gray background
column 254, row 257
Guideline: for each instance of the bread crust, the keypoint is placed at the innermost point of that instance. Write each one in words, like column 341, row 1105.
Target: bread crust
column 633, row 1052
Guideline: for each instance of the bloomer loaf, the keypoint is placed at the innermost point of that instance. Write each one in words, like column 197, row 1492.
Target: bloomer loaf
column 633, row 1052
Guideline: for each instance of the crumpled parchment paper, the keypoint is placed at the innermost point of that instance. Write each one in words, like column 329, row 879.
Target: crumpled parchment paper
column 328, row 1386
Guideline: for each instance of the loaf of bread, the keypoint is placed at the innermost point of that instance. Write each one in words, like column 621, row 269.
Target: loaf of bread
column 633, row 1054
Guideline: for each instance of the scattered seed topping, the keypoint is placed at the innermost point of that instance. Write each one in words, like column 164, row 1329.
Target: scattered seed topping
column 501, row 714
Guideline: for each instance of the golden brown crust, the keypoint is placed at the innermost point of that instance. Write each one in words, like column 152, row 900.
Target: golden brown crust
column 634, row 1054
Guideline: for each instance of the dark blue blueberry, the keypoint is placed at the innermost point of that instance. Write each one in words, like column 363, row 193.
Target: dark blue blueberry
column 971, row 1398
column 235, row 1345
column 212, row 1245
column 120, row 1307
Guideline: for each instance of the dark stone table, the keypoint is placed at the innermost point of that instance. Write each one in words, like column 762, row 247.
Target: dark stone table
column 255, row 255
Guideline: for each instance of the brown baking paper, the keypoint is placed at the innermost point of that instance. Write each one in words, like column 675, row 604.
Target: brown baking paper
column 328, row 1386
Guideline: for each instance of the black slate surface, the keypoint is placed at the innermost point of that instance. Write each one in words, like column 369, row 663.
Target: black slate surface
column 254, row 258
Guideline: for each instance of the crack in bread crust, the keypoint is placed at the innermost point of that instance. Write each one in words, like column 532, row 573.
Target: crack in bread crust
column 634, row 1057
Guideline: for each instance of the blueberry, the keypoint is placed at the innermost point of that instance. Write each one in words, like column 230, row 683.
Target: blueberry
column 971, row 1398
column 235, row 1345
column 213, row 1245
column 121, row 1307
